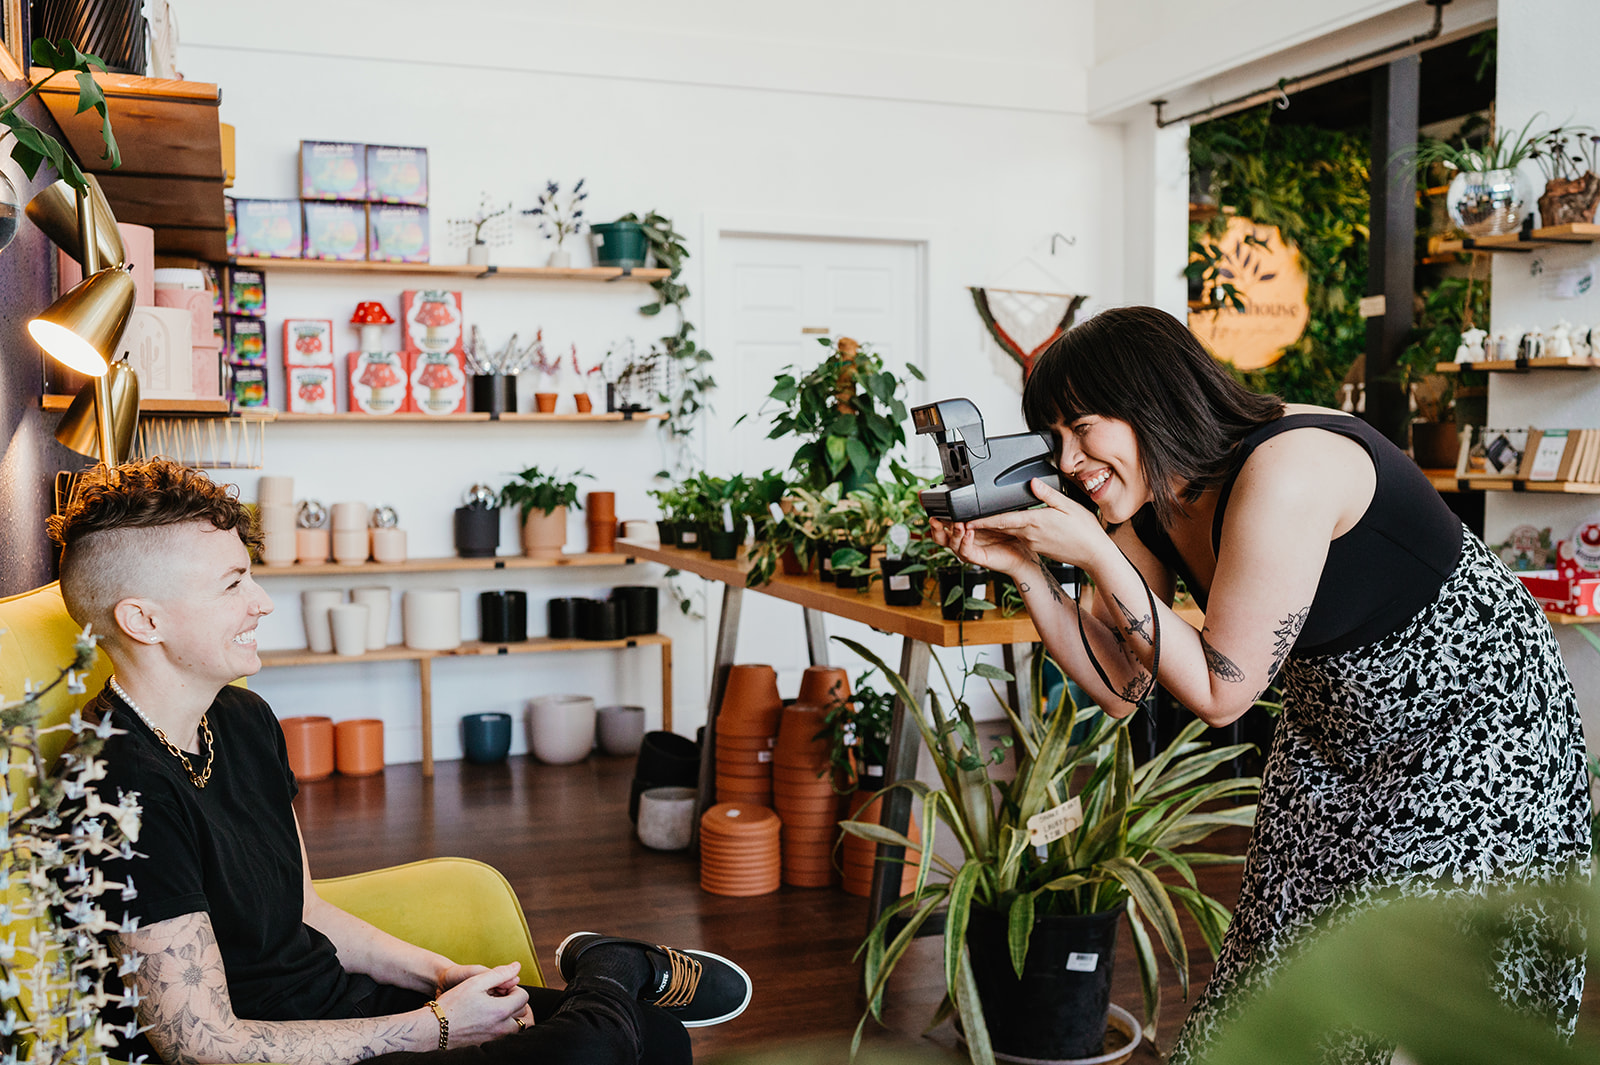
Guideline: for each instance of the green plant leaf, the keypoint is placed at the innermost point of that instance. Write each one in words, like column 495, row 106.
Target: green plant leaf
column 1019, row 927
column 992, row 672
column 1150, row 896
column 1149, row 970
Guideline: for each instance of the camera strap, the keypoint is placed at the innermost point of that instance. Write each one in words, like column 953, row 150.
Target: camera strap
column 1155, row 641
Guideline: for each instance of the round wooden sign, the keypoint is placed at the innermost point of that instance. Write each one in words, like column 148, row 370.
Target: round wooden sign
column 1267, row 273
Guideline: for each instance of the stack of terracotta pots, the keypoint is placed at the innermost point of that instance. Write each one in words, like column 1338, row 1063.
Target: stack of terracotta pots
column 859, row 855
column 602, row 519
column 747, row 721
column 802, row 792
column 739, row 851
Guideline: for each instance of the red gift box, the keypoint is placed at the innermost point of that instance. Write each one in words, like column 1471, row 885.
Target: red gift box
column 379, row 382
column 438, row 382
column 430, row 321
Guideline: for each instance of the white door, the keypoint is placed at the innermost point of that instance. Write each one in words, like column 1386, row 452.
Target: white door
column 777, row 296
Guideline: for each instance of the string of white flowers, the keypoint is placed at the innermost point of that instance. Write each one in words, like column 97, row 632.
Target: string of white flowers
column 57, row 978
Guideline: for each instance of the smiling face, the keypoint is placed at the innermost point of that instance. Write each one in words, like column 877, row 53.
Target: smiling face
column 207, row 620
column 1101, row 453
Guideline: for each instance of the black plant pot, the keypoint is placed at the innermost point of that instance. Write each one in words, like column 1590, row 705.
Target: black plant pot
column 690, row 535
column 666, row 760
column 563, row 618
column 724, row 545
column 668, row 531
column 971, row 579
column 1058, row 1009
column 599, row 619
column 494, row 394
column 899, row 588
column 477, row 532
column 641, row 607
column 843, row 578
column 503, row 617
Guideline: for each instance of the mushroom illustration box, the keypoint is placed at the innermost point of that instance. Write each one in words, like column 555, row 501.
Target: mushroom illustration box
column 438, row 382
column 378, row 382
column 430, row 321
column 308, row 342
column 310, row 389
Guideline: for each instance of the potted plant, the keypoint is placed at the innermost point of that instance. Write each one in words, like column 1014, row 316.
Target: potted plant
column 818, row 518
column 857, row 731
column 1568, row 158
column 542, row 499
column 880, row 518
column 621, row 243
column 548, row 366
column 1446, row 312
column 726, row 522
column 848, row 412
column 1016, row 906
column 1488, row 195
column 670, row 500
column 489, row 226
column 559, row 217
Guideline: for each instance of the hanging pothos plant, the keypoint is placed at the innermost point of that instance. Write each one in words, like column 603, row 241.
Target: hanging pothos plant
column 685, row 391
column 32, row 146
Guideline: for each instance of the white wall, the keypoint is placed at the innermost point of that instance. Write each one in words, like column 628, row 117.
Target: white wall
column 1541, row 72
column 965, row 132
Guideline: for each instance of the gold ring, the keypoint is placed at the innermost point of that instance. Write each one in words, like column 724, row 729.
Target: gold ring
column 521, row 1027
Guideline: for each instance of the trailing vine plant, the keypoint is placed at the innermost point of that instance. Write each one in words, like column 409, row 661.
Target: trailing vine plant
column 32, row 146
column 684, row 392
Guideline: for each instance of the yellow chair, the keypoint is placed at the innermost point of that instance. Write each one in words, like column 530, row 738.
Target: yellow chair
column 461, row 908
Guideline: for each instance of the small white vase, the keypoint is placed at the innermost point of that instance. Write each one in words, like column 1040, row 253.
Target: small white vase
column 478, row 255
column 561, row 258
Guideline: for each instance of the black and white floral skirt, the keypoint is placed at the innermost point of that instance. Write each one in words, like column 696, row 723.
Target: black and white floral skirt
column 1445, row 759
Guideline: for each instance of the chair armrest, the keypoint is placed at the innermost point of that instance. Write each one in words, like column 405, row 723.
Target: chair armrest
column 461, row 908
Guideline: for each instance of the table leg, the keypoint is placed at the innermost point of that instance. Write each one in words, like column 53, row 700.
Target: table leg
column 905, row 745
column 816, row 635
column 425, row 669
column 666, row 686
column 727, row 647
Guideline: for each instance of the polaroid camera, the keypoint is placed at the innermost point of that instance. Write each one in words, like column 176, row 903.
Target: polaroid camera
column 984, row 475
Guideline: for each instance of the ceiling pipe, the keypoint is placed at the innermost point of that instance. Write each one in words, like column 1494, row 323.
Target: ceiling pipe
column 1280, row 91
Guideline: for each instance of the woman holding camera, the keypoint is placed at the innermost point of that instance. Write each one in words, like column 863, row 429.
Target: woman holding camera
column 1429, row 741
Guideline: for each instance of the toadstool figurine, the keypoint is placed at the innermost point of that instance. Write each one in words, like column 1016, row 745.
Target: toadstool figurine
column 371, row 317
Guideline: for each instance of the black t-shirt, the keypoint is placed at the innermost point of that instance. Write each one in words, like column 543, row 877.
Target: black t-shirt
column 229, row 850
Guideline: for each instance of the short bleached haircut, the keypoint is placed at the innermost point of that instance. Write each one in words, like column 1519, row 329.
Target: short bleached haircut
column 112, row 533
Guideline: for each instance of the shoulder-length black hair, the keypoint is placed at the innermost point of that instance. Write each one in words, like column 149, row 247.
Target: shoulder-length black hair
column 1143, row 366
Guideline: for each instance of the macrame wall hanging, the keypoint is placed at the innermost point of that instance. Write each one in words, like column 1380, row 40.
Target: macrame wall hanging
column 1024, row 323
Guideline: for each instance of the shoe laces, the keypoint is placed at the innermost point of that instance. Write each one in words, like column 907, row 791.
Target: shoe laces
column 683, row 979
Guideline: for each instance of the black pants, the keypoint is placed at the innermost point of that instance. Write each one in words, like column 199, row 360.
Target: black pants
column 590, row 1023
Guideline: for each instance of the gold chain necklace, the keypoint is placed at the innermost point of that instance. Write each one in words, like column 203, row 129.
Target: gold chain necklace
column 201, row 778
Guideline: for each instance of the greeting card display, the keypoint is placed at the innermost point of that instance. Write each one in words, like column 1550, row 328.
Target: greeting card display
column 378, row 382
column 308, row 342
column 336, row 232
column 249, row 386
column 267, row 229
column 431, row 321
column 333, row 170
column 247, row 341
column 397, row 175
column 397, row 234
column 247, row 293
column 438, row 382
column 311, row 389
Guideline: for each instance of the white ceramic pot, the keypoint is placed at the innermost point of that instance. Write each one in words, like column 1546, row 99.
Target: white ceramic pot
column 274, row 490
column 388, row 545
column 561, row 258
column 377, row 601
column 561, row 728
column 348, row 622
column 315, row 604
column 666, row 818
column 621, row 729
column 478, row 255
column 431, row 619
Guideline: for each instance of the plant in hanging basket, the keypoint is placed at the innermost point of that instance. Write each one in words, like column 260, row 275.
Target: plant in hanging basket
column 1130, row 824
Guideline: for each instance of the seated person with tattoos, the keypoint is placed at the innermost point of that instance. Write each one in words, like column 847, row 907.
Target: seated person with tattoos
column 240, row 958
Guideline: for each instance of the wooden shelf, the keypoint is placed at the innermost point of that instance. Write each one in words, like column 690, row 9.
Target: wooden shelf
column 285, row 417
column 171, row 143
column 1516, row 365
column 532, row 646
column 188, row 407
column 526, row 273
column 1443, row 480
column 1570, row 619
column 1508, row 484
column 1549, row 236
column 446, row 565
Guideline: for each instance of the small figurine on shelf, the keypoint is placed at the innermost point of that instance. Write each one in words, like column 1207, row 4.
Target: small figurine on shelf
column 585, row 378
column 1471, row 349
column 560, row 218
column 545, row 396
column 377, row 377
column 489, row 226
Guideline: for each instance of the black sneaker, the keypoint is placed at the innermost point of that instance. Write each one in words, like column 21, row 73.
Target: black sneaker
column 695, row 986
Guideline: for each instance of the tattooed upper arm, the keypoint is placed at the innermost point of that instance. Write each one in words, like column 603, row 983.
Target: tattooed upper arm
column 182, row 985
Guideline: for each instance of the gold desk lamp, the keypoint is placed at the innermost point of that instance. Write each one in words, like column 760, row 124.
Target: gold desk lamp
column 81, row 328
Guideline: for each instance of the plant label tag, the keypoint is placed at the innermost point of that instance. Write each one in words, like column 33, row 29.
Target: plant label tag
column 1082, row 963
column 980, row 591
column 899, row 583
column 691, row 537
column 763, row 756
column 1050, row 825
column 898, row 539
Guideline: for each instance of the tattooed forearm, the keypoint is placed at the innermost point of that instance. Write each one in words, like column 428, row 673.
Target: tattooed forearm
column 183, row 991
column 1135, row 625
column 1136, row 689
column 1051, row 585
column 1220, row 664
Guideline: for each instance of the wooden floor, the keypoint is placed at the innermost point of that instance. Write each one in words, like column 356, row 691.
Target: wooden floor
column 562, row 837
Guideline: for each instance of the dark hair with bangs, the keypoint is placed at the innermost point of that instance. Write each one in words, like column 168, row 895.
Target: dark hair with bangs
column 1142, row 366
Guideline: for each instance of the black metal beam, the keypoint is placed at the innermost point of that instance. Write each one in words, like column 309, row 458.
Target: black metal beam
column 1396, row 90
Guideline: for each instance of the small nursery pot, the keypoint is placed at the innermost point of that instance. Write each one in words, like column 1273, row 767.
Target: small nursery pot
column 494, row 393
column 724, row 545
column 641, row 606
column 668, row 533
column 843, row 578
column 974, row 584
column 690, row 533
column 900, row 588
column 485, row 738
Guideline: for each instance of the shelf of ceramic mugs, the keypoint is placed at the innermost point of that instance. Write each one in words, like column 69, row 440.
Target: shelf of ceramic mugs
column 400, row 653
column 460, row 270
column 449, row 563
column 1549, row 236
column 284, row 417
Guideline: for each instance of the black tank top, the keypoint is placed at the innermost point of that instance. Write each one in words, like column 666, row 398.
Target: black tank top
column 1378, row 575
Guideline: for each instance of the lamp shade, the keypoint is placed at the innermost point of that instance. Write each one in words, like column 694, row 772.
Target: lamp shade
column 79, row 428
column 55, row 211
column 82, row 328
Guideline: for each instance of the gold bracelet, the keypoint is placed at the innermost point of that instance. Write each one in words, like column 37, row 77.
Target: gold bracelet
column 444, row 1023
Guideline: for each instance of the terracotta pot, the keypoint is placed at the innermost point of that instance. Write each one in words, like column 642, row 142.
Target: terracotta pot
column 584, row 403
column 602, row 537
column 791, row 563
column 545, row 402
column 811, row 819
column 801, row 779
column 753, row 744
column 310, row 743
column 750, row 702
column 732, row 819
column 601, row 506
column 358, row 747
column 797, row 731
column 806, row 836
column 809, row 804
column 823, row 686
column 732, row 793
column 861, row 854
column 750, row 770
column 544, row 535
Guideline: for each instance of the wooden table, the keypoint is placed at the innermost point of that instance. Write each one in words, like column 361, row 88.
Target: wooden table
column 921, row 628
